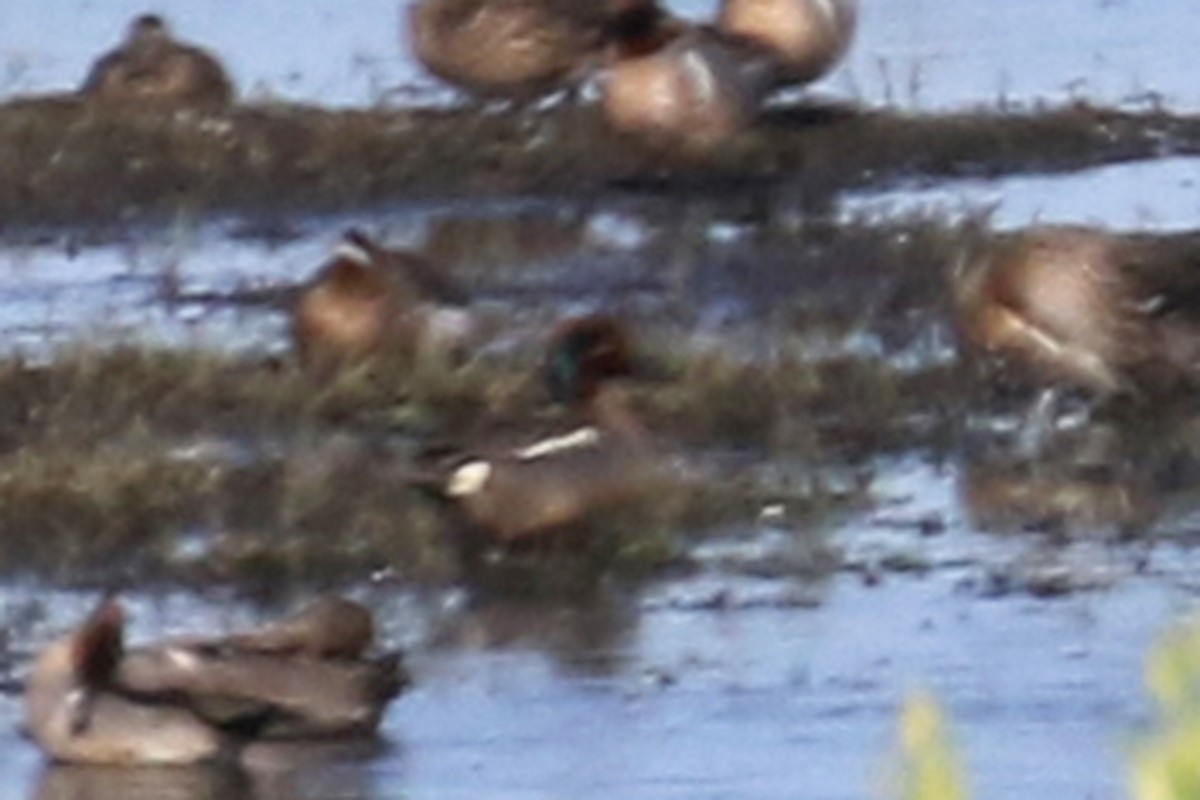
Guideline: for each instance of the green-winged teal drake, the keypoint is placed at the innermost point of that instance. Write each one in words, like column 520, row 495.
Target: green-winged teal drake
column 553, row 483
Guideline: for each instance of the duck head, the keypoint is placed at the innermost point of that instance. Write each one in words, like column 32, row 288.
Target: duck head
column 584, row 352
column 344, row 313
column 93, row 652
column 148, row 30
column 639, row 27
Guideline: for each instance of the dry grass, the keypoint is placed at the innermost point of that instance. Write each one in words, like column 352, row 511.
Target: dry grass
column 63, row 162
column 198, row 467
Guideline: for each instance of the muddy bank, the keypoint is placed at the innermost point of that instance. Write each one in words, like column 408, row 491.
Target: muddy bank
column 62, row 162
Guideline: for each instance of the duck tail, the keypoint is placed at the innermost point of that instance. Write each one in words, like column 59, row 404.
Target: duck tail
column 358, row 238
column 428, row 481
column 392, row 676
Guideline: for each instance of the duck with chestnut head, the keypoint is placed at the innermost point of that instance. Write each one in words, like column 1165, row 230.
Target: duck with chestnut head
column 554, row 483
column 153, row 69
column 368, row 302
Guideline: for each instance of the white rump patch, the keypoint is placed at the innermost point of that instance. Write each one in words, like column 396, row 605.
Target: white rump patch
column 583, row 437
column 468, row 479
column 352, row 252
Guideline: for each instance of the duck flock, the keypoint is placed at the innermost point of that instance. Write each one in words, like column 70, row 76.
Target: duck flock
column 669, row 82
column 1061, row 304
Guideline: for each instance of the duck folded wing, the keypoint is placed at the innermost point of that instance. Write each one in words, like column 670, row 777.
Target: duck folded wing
column 328, row 627
column 287, row 696
column 549, row 484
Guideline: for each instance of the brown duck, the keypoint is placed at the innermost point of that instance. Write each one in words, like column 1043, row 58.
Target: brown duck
column 1085, row 308
column 682, row 88
column 805, row 37
column 151, row 68
column 369, row 301
column 75, row 712
column 90, row 700
column 329, row 627
column 506, row 48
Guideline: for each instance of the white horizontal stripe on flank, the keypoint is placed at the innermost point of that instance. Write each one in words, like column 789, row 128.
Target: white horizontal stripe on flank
column 584, row 437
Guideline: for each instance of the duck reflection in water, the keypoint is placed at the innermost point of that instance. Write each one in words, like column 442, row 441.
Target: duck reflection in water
column 585, row 633
column 59, row 781
column 1099, row 481
column 281, row 770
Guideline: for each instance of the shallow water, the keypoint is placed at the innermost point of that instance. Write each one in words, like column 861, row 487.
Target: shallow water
column 920, row 54
column 748, row 677
column 783, row 685
column 1158, row 195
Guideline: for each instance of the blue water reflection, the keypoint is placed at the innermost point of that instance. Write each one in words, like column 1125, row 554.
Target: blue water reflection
column 921, row 54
